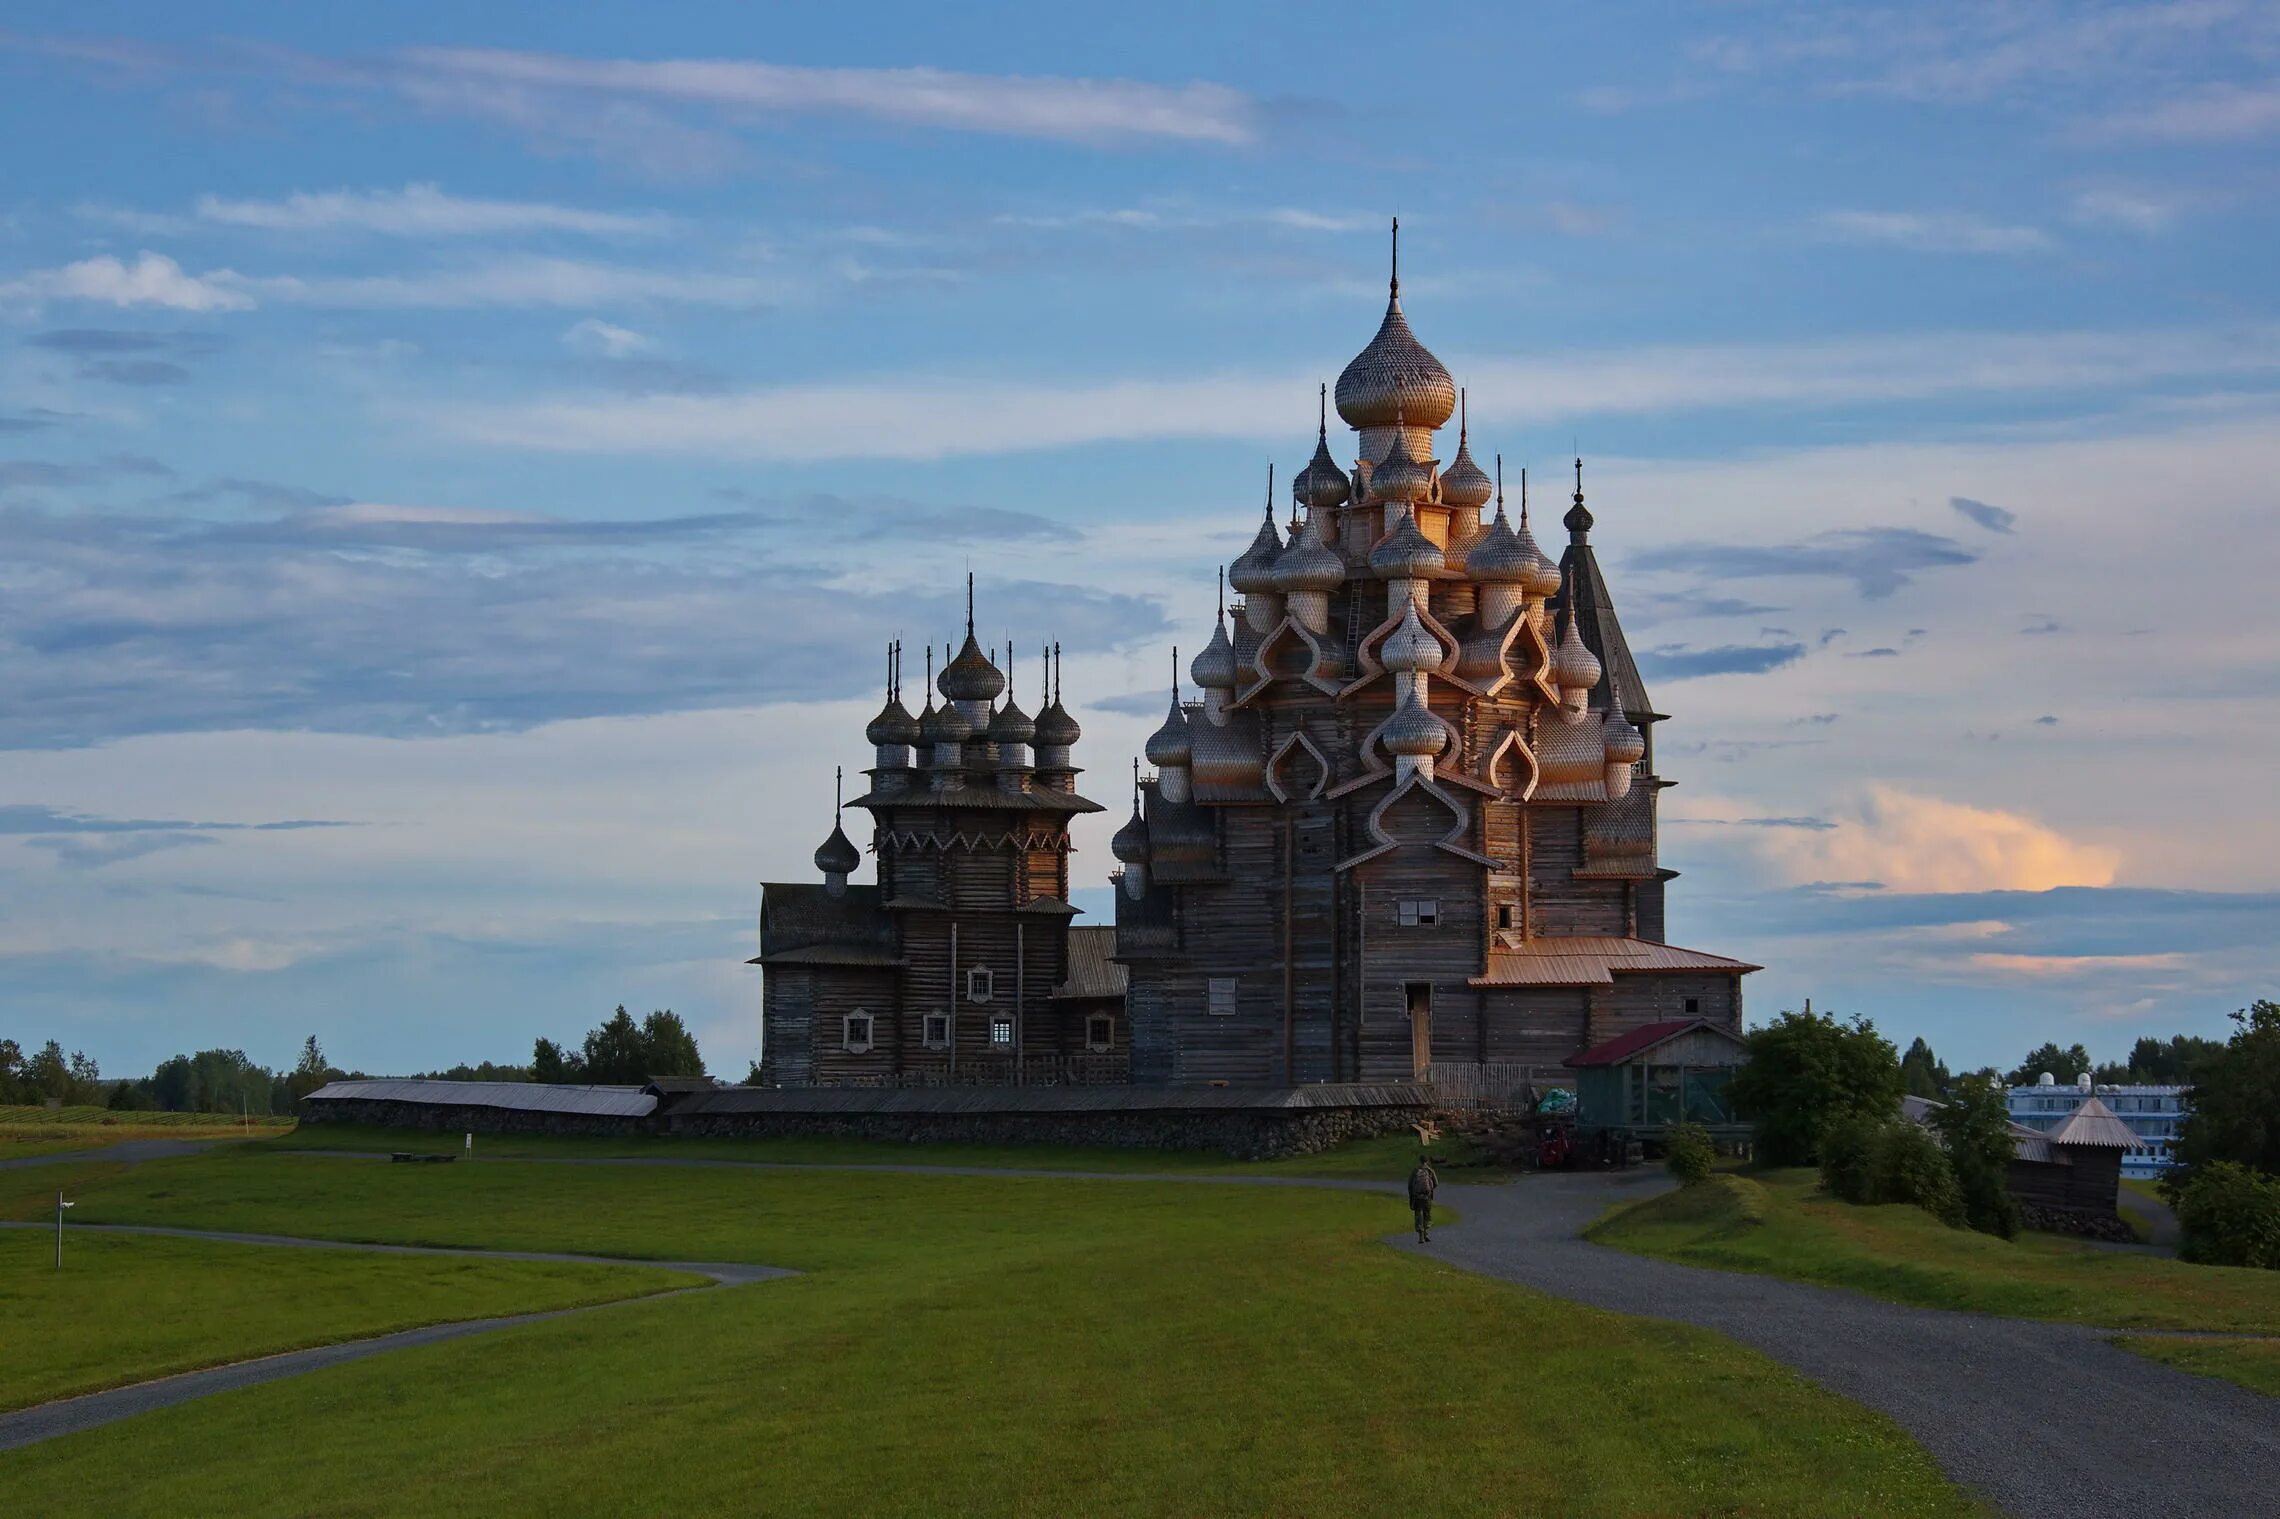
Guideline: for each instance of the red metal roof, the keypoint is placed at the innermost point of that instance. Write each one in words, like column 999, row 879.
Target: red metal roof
column 1623, row 1046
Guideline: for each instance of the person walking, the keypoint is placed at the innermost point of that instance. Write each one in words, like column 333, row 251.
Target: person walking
column 1423, row 1182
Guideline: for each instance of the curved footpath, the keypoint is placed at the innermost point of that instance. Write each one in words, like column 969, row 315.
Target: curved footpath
column 2044, row 1419
column 67, row 1416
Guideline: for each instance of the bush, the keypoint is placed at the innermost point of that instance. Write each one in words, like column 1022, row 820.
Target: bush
column 1909, row 1165
column 1807, row 1070
column 2230, row 1216
column 1848, row 1150
column 1988, row 1205
column 1690, row 1154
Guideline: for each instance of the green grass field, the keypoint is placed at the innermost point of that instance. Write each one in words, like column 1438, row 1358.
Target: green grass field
column 2254, row 1364
column 32, row 1131
column 127, row 1309
column 1386, row 1159
column 966, row 1345
column 1779, row 1223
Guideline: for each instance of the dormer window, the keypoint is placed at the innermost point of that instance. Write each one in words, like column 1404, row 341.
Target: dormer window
column 981, row 984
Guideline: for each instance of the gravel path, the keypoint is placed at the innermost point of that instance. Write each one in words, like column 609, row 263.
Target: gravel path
column 2045, row 1419
column 2158, row 1215
column 67, row 1416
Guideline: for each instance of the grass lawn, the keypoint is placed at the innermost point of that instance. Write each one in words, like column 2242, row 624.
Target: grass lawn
column 2254, row 1364
column 1779, row 1223
column 126, row 1309
column 1386, row 1159
column 969, row 1345
column 31, row 1131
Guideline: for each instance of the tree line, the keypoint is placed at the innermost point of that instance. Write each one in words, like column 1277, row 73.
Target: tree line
column 619, row 1052
column 2151, row 1062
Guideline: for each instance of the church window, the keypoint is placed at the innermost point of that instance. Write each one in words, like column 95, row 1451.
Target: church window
column 1420, row 912
column 981, row 984
column 1693, row 1005
column 937, row 1031
column 855, row 1033
column 1222, row 989
column 1001, row 1032
column 1100, row 1032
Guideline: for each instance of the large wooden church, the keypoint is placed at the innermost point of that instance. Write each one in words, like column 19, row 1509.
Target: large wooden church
column 1409, row 830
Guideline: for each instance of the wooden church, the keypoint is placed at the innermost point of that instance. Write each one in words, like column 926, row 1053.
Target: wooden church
column 1407, row 833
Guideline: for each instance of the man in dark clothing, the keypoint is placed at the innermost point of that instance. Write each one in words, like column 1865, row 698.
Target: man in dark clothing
column 1422, row 1183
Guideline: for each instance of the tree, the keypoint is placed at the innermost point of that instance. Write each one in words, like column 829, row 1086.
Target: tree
column 1806, row 1070
column 2065, row 1065
column 52, row 1076
column 310, row 1072
column 1975, row 1124
column 13, row 1088
column 2170, row 1062
column 2236, row 1097
column 623, row 1053
column 1923, row 1071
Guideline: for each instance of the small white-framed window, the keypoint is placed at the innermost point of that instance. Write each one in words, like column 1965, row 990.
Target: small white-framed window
column 1222, row 996
column 855, row 1032
column 935, row 1029
column 1100, row 1033
column 1001, row 1032
column 1420, row 912
column 981, row 984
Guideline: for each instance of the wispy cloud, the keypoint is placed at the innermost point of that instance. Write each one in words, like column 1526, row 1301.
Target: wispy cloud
column 2216, row 113
column 421, row 210
column 152, row 279
column 1929, row 232
column 1993, row 518
column 1677, row 662
column 1877, row 560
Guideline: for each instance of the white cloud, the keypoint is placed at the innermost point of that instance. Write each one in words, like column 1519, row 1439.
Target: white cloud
column 152, row 279
column 2220, row 113
column 2046, row 967
column 2132, row 210
column 419, row 210
column 1921, row 843
column 1067, row 109
column 948, row 416
column 592, row 335
column 522, row 281
column 1929, row 232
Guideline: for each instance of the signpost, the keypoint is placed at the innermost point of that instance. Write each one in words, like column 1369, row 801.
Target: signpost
column 60, row 1205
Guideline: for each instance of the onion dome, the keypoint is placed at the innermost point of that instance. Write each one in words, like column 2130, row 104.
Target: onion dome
column 1131, row 842
column 1254, row 569
column 1574, row 666
column 1214, row 668
column 1398, row 477
column 1309, row 564
column 1056, row 728
column 943, row 725
column 838, row 854
column 894, row 725
column 1465, row 483
column 1011, row 725
column 971, row 676
column 1413, row 730
column 1626, row 745
column 1497, row 556
column 1395, row 381
column 1171, row 744
column 1409, row 646
column 1322, row 486
column 1407, row 554
column 1544, row 580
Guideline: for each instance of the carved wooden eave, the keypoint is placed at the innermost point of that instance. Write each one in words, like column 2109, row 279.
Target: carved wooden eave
column 1385, row 843
column 1298, row 742
column 1322, row 673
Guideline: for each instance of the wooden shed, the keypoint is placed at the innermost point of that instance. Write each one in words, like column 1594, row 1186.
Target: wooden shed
column 1658, row 1075
column 2077, row 1167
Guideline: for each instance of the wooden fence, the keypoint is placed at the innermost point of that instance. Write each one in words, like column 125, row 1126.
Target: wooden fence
column 1493, row 1083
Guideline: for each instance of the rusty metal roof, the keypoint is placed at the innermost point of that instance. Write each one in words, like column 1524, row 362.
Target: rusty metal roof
column 1595, row 960
column 1639, row 1040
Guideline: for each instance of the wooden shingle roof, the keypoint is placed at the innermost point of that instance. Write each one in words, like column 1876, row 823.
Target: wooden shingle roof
column 2093, row 1125
column 1091, row 972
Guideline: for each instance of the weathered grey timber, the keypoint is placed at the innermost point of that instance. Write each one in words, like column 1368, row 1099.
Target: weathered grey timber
column 2045, row 1419
column 67, row 1416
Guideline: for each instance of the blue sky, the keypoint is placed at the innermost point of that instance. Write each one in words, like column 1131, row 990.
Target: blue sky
column 458, row 467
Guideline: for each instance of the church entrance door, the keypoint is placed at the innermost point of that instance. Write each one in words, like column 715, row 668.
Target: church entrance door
column 1420, row 995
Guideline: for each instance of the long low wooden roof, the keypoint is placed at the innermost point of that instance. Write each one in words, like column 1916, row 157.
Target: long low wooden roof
column 1100, row 1099
column 1596, row 960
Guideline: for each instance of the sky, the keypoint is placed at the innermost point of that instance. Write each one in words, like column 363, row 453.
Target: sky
column 460, row 467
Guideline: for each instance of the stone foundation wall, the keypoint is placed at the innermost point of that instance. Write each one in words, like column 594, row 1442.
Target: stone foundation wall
column 2050, row 1220
column 1240, row 1133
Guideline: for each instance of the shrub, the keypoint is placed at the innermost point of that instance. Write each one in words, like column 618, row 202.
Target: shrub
column 1988, row 1205
column 1806, row 1070
column 2230, row 1216
column 1909, row 1165
column 1848, row 1147
column 1691, row 1155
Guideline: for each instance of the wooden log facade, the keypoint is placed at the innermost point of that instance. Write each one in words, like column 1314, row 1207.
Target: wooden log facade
column 1410, row 824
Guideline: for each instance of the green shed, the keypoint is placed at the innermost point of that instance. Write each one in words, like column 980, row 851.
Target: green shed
column 1657, row 1075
